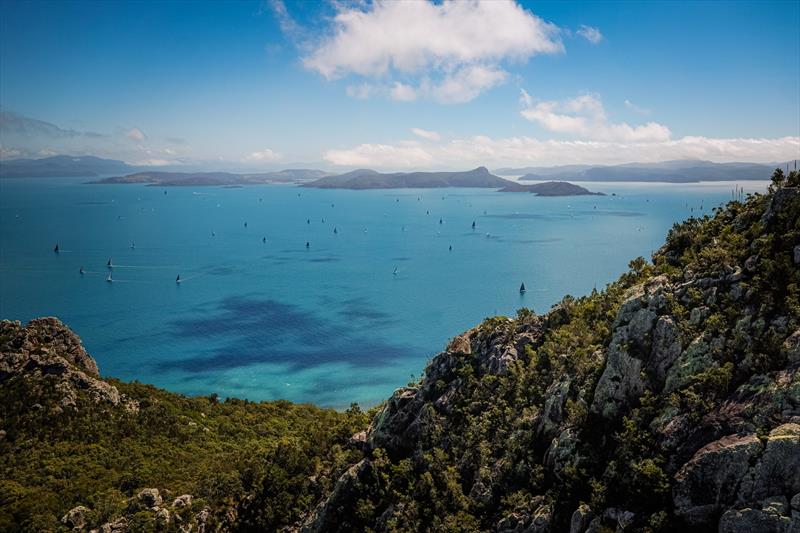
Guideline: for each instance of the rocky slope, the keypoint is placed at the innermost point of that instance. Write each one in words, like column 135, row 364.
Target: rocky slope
column 669, row 401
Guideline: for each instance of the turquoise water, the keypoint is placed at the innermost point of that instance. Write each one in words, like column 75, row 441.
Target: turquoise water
column 328, row 324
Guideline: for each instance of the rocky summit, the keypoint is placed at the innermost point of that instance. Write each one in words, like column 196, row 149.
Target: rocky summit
column 668, row 401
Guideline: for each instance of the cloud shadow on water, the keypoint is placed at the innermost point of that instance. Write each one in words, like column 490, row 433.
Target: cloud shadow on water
column 255, row 331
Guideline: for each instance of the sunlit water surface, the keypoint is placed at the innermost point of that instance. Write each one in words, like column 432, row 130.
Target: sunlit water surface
column 349, row 318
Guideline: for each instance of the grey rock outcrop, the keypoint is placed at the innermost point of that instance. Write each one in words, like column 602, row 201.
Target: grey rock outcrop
column 75, row 518
column 46, row 348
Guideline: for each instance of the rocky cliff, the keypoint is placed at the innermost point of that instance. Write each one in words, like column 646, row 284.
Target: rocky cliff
column 671, row 400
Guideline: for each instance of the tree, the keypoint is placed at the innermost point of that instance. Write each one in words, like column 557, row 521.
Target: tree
column 778, row 178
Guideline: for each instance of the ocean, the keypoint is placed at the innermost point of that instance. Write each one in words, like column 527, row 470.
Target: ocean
column 356, row 314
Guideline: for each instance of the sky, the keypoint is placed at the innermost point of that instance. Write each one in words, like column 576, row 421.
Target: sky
column 400, row 85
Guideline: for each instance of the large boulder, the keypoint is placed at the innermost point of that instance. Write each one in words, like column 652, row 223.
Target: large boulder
column 709, row 482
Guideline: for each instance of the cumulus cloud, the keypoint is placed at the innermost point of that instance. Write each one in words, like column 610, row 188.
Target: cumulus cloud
column 525, row 151
column 584, row 116
column 450, row 51
column 263, row 155
column 590, row 33
column 636, row 109
column 402, row 92
column 426, row 134
column 135, row 134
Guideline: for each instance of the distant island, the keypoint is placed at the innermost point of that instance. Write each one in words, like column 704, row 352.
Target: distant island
column 478, row 177
column 678, row 171
column 356, row 180
column 372, row 179
column 551, row 188
column 183, row 179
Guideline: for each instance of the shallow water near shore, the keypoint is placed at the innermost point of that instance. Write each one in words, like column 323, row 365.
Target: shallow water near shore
column 349, row 318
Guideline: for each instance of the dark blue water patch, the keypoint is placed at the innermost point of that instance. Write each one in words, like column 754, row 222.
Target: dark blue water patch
column 401, row 259
column 256, row 331
column 330, row 259
column 359, row 309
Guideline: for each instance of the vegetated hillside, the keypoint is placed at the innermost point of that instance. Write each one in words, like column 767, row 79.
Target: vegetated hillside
column 669, row 401
column 82, row 452
column 551, row 188
column 371, row 179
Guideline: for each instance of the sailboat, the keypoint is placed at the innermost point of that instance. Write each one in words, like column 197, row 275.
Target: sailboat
column 56, row 250
column 133, row 245
column 109, row 264
column 473, row 224
column 395, row 271
column 335, row 231
column 82, row 271
column 178, row 279
column 308, row 244
column 109, row 279
column 522, row 288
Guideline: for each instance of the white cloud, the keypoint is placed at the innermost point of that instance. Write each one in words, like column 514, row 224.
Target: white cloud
column 263, row 155
column 467, row 83
column 403, row 92
column 590, row 33
column 154, row 162
column 136, row 134
column 426, row 134
column 362, row 91
column 7, row 152
column 636, row 109
column 524, row 151
column 449, row 51
column 406, row 154
column 585, row 117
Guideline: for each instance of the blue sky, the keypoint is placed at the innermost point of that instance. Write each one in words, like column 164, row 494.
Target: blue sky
column 400, row 85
